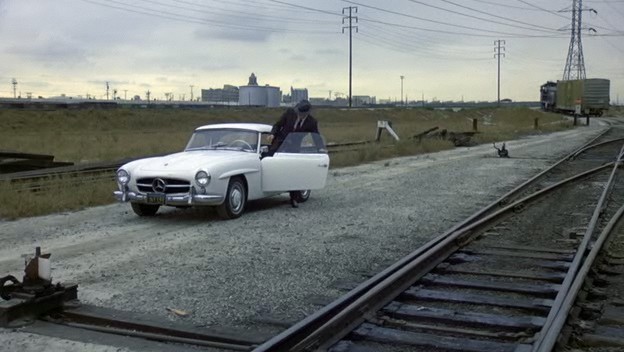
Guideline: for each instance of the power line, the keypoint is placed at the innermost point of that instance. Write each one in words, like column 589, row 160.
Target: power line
column 305, row 7
column 455, row 33
column 552, row 12
column 248, row 16
column 190, row 19
column 556, row 13
column 494, row 15
column 404, row 40
column 505, row 5
column 532, row 26
column 430, row 20
column 615, row 9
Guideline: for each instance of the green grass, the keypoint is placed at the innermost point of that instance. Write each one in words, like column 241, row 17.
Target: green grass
column 111, row 135
column 65, row 195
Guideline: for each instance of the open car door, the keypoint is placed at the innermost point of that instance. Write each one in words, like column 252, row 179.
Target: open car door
column 300, row 163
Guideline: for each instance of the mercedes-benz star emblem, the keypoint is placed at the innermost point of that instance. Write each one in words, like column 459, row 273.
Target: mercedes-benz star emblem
column 159, row 185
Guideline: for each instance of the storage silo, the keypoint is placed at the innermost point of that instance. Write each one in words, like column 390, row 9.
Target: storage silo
column 254, row 95
column 274, row 96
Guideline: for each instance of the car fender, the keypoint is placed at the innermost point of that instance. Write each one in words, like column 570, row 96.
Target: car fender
column 237, row 172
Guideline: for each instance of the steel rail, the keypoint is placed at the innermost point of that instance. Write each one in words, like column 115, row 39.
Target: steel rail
column 545, row 340
column 124, row 327
column 570, row 298
column 345, row 321
column 321, row 316
column 155, row 336
column 345, row 313
column 597, row 145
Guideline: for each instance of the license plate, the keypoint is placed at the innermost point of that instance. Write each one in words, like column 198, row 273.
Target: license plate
column 156, row 198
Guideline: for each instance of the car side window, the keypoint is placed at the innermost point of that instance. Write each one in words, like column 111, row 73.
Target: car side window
column 264, row 139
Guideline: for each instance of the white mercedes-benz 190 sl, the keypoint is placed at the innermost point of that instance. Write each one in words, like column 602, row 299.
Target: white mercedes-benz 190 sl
column 225, row 165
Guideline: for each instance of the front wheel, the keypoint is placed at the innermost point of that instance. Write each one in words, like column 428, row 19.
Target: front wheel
column 303, row 196
column 235, row 200
column 144, row 209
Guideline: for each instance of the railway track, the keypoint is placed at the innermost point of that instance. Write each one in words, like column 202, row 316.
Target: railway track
column 500, row 280
column 100, row 320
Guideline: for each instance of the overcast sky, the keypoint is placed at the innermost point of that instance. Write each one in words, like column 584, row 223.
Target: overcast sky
column 443, row 48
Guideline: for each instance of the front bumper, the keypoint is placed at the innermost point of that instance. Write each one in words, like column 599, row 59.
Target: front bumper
column 171, row 199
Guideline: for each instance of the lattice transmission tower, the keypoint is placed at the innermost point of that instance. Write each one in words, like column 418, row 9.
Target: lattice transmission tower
column 575, row 63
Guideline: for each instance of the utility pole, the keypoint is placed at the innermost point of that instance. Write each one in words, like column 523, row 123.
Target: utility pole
column 106, row 90
column 14, row 83
column 351, row 10
column 498, row 54
column 575, row 62
column 125, row 94
column 402, row 103
column 191, row 92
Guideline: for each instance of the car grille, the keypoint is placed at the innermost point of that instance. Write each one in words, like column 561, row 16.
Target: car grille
column 173, row 185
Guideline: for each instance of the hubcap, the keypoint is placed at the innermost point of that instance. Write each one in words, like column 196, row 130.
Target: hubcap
column 305, row 194
column 236, row 199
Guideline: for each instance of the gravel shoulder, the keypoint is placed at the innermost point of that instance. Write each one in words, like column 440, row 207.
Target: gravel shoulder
column 275, row 260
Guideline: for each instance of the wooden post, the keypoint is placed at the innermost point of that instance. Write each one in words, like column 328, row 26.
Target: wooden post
column 475, row 126
column 536, row 123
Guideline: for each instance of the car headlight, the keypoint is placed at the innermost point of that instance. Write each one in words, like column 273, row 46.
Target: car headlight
column 202, row 178
column 123, row 177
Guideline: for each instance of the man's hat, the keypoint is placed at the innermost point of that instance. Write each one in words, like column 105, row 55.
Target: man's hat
column 303, row 106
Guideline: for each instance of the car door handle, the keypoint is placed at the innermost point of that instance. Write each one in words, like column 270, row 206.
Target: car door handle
column 323, row 165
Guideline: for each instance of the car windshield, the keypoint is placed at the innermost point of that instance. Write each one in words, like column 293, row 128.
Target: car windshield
column 303, row 143
column 229, row 139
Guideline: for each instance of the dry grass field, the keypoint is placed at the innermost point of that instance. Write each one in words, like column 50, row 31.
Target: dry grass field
column 83, row 136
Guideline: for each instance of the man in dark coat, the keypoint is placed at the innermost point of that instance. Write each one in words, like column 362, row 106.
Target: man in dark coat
column 298, row 119
column 293, row 120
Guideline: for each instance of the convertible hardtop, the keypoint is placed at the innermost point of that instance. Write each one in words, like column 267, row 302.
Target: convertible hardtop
column 259, row 127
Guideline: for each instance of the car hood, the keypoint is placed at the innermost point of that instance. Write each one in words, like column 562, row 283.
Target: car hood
column 189, row 161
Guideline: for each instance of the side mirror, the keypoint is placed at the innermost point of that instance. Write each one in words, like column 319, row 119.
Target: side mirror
column 264, row 149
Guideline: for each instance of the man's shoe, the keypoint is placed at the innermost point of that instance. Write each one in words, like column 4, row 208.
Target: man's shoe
column 294, row 203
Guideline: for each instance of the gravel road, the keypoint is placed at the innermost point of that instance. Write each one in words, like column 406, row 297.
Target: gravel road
column 275, row 261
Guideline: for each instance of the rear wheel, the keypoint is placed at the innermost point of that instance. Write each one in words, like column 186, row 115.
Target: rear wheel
column 235, row 200
column 303, row 195
column 144, row 209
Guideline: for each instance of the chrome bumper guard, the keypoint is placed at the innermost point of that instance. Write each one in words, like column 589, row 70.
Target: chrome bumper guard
column 191, row 198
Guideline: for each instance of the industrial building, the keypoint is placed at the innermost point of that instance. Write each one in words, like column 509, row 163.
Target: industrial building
column 363, row 100
column 298, row 94
column 227, row 94
column 255, row 95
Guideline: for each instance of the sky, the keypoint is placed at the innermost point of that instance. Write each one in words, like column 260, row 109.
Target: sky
column 444, row 49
